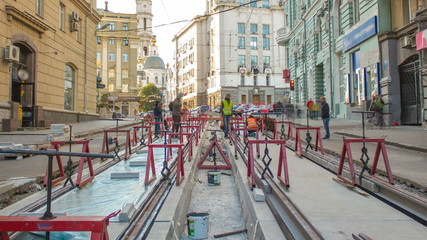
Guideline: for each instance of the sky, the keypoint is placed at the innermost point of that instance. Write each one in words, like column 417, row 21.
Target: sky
column 164, row 12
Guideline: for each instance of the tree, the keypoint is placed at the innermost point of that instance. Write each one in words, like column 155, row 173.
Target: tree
column 149, row 94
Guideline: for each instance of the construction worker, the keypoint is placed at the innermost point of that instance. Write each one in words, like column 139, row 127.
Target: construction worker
column 252, row 126
column 378, row 106
column 226, row 111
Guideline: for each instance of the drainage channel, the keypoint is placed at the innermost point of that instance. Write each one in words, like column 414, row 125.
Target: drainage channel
column 121, row 186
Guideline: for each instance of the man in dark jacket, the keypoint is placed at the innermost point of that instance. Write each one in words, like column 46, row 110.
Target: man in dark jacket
column 157, row 112
column 324, row 113
column 176, row 113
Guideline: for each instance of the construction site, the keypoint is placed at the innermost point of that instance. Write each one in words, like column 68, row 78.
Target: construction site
column 115, row 179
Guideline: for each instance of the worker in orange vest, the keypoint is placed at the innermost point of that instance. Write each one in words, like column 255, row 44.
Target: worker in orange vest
column 252, row 126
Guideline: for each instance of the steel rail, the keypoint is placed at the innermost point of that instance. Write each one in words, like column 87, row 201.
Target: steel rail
column 292, row 221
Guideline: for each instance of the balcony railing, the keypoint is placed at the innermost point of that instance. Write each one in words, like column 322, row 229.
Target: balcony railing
column 283, row 35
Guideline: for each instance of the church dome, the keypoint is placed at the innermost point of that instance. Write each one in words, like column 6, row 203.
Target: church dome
column 154, row 62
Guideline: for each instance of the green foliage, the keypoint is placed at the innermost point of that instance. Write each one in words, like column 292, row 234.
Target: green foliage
column 103, row 101
column 148, row 96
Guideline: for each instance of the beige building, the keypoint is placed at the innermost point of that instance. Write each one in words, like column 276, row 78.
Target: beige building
column 47, row 66
column 123, row 42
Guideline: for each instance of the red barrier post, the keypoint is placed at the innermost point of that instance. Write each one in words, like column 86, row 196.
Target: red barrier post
column 289, row 123
column 135, row 134
column 151, row 165
column 97, row 225
column 128, row 150
column 298, row 141
column 346, row 151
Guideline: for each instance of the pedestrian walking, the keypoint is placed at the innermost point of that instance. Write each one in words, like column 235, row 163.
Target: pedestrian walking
column 176, row 113
column 157, row 112
column 324, row 113
column 226, row 111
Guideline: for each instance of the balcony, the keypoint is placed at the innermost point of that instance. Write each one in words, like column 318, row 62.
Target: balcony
column 283, row 35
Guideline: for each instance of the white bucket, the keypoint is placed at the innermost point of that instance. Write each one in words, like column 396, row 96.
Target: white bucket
column 198, row 225
column 214, row 178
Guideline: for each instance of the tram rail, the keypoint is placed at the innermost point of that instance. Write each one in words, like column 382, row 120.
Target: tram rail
column 408, row 203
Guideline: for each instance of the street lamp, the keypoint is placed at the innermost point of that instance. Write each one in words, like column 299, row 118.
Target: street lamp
column 103, row 27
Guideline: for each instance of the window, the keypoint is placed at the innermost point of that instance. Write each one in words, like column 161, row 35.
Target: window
column 69, row 88
column 98, row 56
column 266, row 43
column 241, row 43
column 156, row 80
column 254, row 43
column 125, row 42
column 265, row 29
column 241, row 60
column 112, row 26
column 125, row 88
column 254, row 61
column 266, row 62
column 39, row 7
column 241, row 28
column 255, row 80
column 111, row 73
column 267, row 79
column 98, row 40
column 125, row 27
column 145, row 24
column 111, row 87
column 112, row 41
column 62, row 16
column 254, row 28
column 356, row 11
column 125, row 73
column 253, row 4
column 125, row 57
column 242, row 79
column 243, row 99
column 111, row 57
column 265, row 4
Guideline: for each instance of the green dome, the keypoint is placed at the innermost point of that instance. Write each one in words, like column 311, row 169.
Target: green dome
column 154, row 62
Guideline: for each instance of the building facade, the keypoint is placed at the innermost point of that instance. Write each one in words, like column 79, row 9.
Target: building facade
column 332, row 47
column 47, row 72
column 123, row 42
column 348, row 50
column 243, row 58
column 231, row 52
column 191, row 64
column 403, row 60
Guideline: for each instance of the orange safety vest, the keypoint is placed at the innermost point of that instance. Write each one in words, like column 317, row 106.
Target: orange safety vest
column 252, row 123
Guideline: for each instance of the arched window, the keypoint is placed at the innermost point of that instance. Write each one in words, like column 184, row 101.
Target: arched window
column 69, row 88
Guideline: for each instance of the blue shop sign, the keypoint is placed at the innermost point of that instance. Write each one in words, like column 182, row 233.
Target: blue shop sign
column 366, row 30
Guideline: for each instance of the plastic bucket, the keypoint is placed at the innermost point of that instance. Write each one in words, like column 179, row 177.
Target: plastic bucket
column 198, row 225
column 214, row 178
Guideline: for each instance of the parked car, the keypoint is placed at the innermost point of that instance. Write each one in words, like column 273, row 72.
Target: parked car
column 118, row 115
column 217, row 110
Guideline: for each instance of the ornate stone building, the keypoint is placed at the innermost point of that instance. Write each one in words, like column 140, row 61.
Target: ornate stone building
column 47, row 68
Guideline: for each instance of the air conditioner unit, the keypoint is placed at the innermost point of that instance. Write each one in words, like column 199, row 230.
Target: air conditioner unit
column 267, row 70
column 11, row 53
column 406, row 42
column 74, row 26
column 75, row 16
